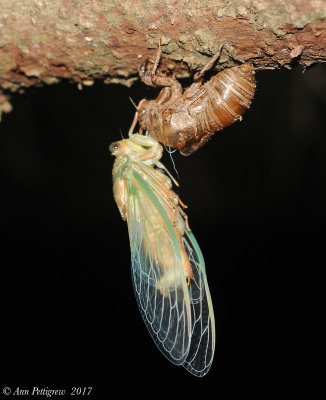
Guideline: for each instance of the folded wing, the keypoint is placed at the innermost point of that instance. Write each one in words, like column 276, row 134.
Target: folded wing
column 179, row 318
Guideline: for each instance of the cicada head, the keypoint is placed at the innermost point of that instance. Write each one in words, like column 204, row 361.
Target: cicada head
column 117, row 148
column 125, row 146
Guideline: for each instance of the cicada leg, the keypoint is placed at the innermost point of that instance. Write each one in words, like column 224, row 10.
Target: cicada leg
column 167, row 194
column 181, row 203
column 185, row 216
column 173, row 201
column 163, row 186
column 153, row 153
column 186, row 263
column 162, row 166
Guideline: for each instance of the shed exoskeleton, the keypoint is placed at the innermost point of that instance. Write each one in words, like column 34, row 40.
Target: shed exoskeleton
column 187, row 119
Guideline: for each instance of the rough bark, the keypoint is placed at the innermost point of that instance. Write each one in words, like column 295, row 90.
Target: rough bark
column 43, row 41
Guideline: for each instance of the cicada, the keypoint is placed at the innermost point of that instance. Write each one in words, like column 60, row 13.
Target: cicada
column 168, row 269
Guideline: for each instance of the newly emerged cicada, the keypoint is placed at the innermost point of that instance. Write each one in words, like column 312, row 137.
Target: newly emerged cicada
column 168, row 270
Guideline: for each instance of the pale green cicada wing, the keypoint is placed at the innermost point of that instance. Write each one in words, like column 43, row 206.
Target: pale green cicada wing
column 179, row 318
column 201, row 352
column 157, row 272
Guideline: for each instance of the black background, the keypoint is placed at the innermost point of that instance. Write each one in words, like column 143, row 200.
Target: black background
column 256, row 196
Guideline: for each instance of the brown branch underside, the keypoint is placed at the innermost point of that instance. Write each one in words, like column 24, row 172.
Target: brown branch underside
column 42, row 41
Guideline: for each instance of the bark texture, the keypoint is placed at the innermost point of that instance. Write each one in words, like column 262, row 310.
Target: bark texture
column 43, row 41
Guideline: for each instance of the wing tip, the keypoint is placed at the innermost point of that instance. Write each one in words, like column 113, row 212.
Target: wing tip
column 196, row 372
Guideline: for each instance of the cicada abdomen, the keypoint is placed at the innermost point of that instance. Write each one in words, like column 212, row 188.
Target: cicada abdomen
column 225, row 98
column 187, row 119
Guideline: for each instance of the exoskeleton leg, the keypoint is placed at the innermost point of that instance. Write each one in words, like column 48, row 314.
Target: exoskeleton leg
column 157, row 58
column 135, row 120
column 151, row 78
column 164, row 95
column 209, row 65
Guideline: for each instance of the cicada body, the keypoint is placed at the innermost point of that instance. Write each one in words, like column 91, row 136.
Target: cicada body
column 168, row 270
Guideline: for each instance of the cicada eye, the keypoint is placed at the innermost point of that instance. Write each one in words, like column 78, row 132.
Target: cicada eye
column 114, row 147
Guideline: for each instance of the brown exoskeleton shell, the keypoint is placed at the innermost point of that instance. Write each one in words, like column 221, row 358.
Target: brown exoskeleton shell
column 187, row 119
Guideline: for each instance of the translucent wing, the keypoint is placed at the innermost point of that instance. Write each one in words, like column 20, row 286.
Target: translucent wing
column 179, row 318
column 157, row 272
column 201, row 352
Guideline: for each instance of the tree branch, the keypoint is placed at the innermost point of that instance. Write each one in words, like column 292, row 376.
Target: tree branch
column 43, row 41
